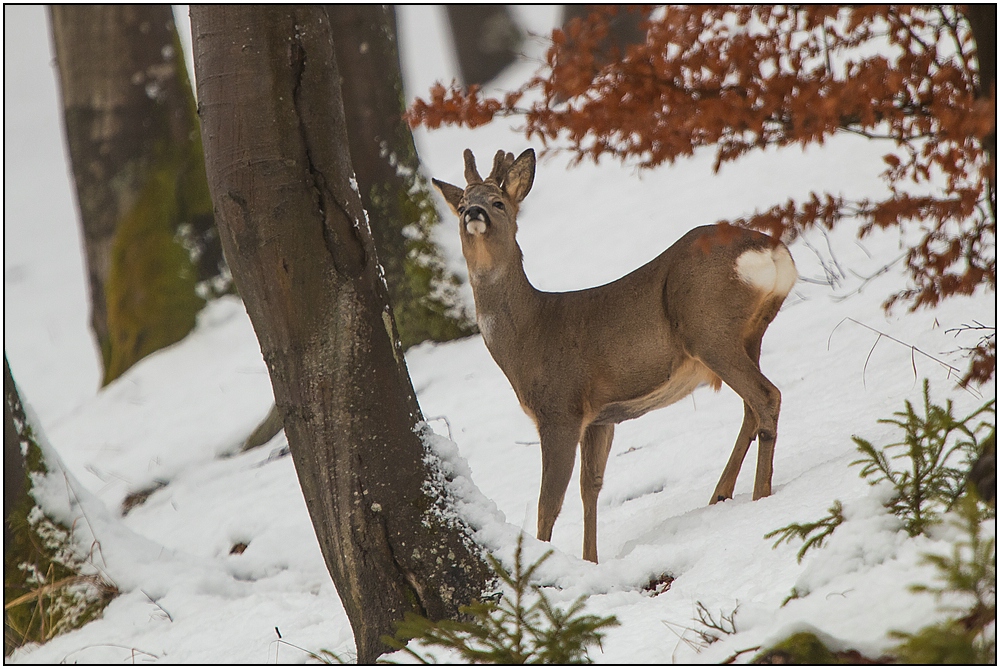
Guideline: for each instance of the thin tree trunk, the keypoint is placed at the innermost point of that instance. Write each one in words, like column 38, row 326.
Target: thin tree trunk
column 983, row 21
column 396, row 196
column 38, row 553
column 486, row 39
column 14, row 491
column 151, row 247
column 13, row 459
column 624, row 28
column 303, row 258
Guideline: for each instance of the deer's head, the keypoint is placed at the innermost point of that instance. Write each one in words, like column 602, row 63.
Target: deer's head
column 487, row 209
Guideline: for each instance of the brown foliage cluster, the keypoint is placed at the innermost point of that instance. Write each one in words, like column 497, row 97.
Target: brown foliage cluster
column 740, row 78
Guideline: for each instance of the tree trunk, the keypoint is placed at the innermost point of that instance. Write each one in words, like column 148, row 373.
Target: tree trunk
column 486, row 40
column 983, row 21
column 14, row 490
column 302, row 255
column 396, row 196
column 44, row 593
column 401, row 210
column 150, row 242
column 624, row 28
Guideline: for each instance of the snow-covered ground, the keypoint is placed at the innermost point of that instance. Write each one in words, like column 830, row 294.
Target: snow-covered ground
column 175, row 414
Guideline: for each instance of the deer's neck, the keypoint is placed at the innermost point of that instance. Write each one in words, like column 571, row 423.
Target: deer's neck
column 507, row 307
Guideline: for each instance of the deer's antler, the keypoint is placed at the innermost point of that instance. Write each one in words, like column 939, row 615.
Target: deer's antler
column 471, row 174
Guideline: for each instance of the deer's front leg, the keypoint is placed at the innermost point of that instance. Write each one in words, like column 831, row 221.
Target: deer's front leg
column 594, row 451
column 559, row 442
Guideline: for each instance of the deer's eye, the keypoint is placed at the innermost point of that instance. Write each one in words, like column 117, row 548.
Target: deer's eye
column 461, row 210
column 499, row 205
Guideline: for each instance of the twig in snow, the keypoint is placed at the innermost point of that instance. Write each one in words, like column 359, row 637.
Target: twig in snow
column 682, row 637
column 839, row 594
column 447, row 424
column 132, row 649
column 96, row 542
column 327, row 657
column 913, row 351
column 732, row 658
column 726, row 624
column 157, row 605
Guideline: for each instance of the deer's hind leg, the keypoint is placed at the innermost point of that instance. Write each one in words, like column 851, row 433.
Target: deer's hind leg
column 738, row 366
column 748, row 432
column 594, row 451
column 727, row 482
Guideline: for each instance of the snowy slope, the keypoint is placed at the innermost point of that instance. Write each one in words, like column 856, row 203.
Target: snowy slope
column 173, row 416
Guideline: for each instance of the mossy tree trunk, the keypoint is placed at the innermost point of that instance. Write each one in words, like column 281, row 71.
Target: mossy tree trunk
column 303, row 258
column 44, row 592
column 14, row 495
column 396, row 196
column 486, row 38
column 152, row 250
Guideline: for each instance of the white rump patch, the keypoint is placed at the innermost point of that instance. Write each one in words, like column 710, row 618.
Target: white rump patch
column 772, row 271
column 787, row 274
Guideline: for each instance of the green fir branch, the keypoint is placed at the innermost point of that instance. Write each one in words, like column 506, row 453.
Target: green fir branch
column 812, row 534
column 936, row 451
column 523, row 629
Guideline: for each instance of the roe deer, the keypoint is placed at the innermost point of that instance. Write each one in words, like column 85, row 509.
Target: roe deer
column 584, row 360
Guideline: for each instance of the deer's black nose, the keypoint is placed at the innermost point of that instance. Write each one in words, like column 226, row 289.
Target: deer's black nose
column 476, row 213
column 476, row 220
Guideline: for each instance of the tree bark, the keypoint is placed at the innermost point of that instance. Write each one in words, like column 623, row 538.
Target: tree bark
column 486, row 39
column 303, row 258
column 401, row 210
column 151, row 247
column 624, row 28
column 983, row 21
column 396, row 196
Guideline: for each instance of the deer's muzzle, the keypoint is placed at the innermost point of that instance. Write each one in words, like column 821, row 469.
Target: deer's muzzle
column 476, row 220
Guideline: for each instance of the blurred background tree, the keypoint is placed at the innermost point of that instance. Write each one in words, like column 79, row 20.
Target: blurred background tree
column 395, row 194
column 920, row 79
column 486, row 40
column 152, row 252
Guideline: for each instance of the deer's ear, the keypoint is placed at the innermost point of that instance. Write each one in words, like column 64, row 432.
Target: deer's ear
column 452, row 194
column 521, row 175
